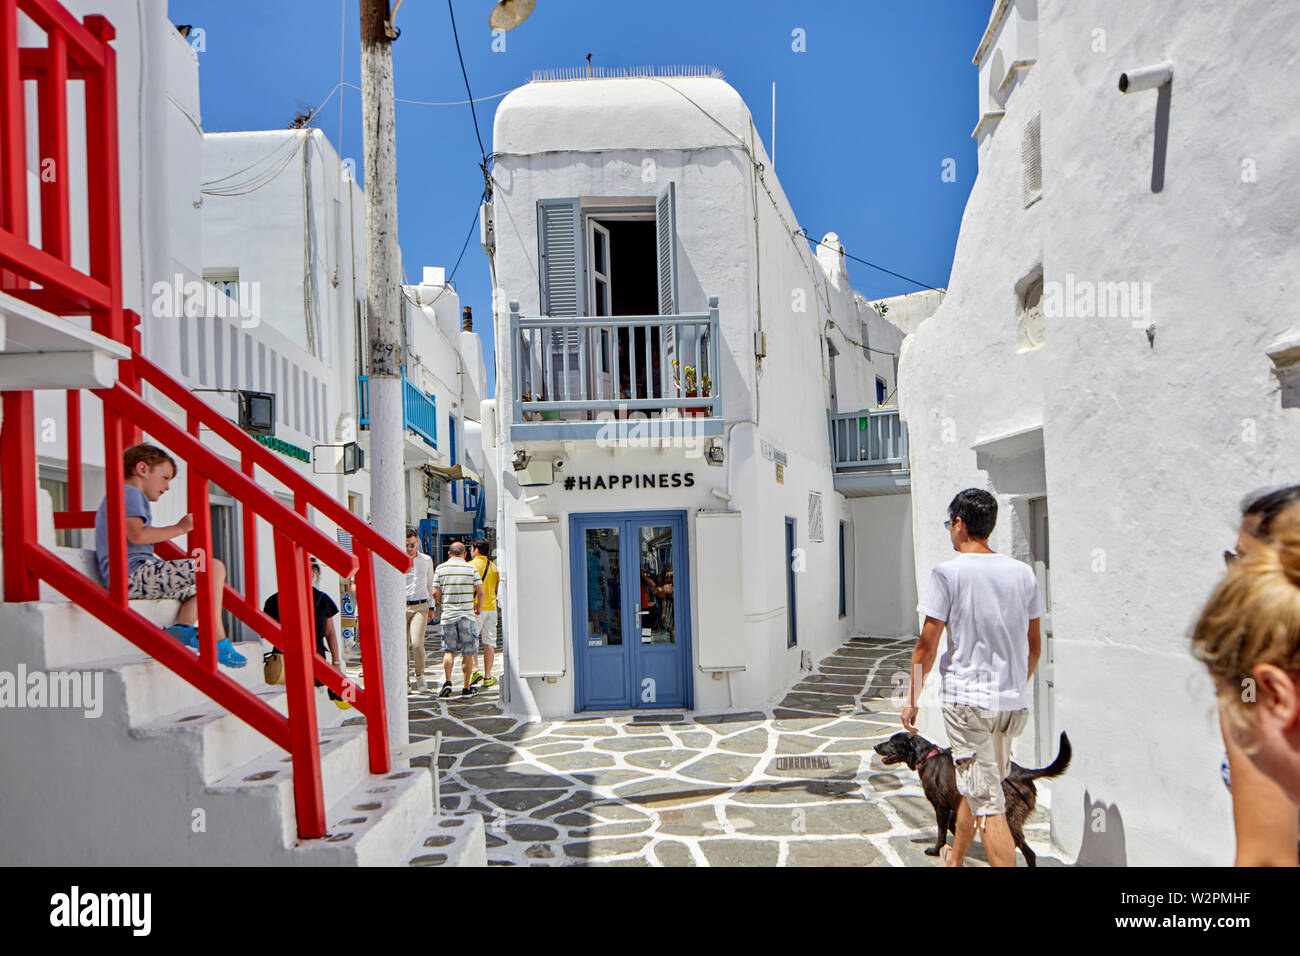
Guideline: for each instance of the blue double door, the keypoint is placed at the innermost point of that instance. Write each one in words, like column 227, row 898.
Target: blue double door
column 631, row 610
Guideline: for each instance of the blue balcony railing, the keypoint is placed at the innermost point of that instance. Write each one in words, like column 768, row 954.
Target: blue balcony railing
column 869, row 440
column 419, row 411
column 576, row 376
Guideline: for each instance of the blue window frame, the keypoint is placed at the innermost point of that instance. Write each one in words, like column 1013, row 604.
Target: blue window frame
column 880, row 391
column 792, row 633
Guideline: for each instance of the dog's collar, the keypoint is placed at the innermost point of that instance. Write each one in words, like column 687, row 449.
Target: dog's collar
column 932, row 753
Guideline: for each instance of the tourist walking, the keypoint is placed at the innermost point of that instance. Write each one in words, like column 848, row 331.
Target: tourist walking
column 1248, row 637
column 991, row 607
column 419, row 591
column 487, row 617
column 458, row 588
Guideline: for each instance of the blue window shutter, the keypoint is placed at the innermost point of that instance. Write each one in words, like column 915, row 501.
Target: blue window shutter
column 666, row 246
column 559, row 227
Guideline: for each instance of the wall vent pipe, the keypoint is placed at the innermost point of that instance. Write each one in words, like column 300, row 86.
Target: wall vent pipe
column 1147, row 78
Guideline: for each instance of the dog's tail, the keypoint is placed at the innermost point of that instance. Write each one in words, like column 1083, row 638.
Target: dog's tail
column 1055, row 768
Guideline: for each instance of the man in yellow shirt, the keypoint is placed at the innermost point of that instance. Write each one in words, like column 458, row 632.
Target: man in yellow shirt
column 487, row 617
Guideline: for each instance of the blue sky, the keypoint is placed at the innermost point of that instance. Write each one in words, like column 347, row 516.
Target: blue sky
column 865, row 116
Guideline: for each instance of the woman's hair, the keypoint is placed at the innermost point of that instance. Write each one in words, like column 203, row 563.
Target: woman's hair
column 1253, row 617
column 1267, row 504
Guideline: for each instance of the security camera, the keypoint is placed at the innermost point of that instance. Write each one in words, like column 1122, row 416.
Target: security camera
column 559, row 464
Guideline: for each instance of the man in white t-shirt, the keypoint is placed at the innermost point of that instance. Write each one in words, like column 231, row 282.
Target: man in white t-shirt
column 991, row 607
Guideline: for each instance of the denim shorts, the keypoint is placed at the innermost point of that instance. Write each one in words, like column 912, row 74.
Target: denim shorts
column 156, row 579
column 460, row 636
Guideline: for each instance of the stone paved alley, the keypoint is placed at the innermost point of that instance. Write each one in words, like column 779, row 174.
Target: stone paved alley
column 697, row 790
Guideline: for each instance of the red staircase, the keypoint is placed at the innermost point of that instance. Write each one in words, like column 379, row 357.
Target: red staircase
column 44, row 276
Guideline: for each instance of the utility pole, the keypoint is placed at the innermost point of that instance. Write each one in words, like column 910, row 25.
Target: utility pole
column 384, row 320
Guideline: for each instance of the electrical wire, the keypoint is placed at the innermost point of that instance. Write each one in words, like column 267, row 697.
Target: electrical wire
column 447, row 282
column 924, row 287
column 257, row 182
column 472, row 111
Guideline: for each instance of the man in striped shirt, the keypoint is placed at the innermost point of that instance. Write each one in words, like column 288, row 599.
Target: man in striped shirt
column 458, row 587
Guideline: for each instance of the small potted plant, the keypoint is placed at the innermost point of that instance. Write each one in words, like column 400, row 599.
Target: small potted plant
column 692, row 389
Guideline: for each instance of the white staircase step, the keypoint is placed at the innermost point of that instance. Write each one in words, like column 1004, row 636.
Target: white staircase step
column 373, row 822
column 343, row 762
column 225, row 741
column 73, row 636
column 153, row 691
column 459, row 840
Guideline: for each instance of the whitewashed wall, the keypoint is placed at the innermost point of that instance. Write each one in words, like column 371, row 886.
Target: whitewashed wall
column 1148, row 446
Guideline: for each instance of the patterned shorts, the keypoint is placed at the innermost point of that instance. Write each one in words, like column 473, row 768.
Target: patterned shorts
column 156, row 579
column 460, row 636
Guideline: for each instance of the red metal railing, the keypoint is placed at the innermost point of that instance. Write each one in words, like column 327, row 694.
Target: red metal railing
column 46, row 277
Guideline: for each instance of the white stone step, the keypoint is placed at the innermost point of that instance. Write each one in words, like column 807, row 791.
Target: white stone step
column 223, row 741
column 269, row 775
column 372, row 824
column 450, row 841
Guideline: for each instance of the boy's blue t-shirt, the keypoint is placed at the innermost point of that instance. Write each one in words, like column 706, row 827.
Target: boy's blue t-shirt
column 137, row 506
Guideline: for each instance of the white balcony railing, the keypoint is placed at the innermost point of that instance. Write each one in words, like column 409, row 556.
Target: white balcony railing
column 573, row 375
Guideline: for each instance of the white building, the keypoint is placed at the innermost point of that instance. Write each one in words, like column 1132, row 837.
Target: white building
column 679, row 562
column 1109, row 353
column 444, row 360
column 285, row 240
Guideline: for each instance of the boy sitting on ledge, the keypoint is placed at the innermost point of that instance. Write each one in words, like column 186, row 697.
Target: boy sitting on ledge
column 149, row 471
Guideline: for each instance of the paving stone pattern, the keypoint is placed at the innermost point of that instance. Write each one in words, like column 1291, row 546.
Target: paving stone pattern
column 685, row 789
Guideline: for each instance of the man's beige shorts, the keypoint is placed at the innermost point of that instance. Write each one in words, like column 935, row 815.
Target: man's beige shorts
column 981, row 752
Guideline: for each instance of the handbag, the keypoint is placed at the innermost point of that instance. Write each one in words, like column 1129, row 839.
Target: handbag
column 273, row 667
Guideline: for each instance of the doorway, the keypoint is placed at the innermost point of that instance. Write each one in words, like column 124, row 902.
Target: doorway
column 631, row 610
column 226, row 549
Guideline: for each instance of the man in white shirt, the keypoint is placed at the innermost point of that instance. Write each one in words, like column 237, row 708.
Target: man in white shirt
column 991, row 607
column 419, row 589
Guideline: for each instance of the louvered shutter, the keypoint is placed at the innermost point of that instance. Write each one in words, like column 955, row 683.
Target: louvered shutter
column 1031, row 160
column 666, row 257
column 666, row 246
column 560, row 244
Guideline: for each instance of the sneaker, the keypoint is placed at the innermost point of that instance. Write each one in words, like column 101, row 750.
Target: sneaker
column 475, row 678
column 446, row 690
column 489, row 681
column 467, row 692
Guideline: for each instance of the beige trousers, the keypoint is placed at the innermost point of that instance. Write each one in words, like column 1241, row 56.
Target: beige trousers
column 417, row 617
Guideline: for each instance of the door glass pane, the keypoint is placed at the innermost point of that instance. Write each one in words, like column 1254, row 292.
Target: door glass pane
column 655, row 557
column 604, row 600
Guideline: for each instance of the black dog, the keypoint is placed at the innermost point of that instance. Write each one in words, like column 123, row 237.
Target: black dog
column 939, row 781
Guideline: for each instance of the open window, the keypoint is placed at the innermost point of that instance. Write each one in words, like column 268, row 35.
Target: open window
column 616, row 259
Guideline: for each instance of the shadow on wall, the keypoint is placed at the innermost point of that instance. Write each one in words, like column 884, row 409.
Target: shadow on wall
column 1103, row 835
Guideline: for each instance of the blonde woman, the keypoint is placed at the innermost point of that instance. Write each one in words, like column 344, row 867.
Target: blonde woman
column 1248, row 636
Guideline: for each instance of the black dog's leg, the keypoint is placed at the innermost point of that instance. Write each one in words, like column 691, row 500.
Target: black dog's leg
column 1030, row 857
column 940, row 818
